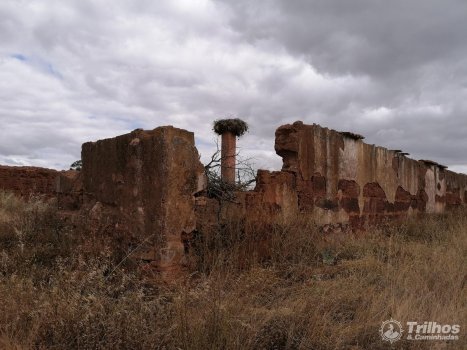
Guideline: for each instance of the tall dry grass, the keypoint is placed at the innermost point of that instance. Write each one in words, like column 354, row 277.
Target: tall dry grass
column 312, row 291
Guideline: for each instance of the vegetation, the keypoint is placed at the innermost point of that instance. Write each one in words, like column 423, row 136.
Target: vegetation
column 62, row 289
column 224, row 191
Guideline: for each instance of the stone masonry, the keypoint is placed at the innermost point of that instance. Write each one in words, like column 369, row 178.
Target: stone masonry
column 150, row 185
column 149, row 179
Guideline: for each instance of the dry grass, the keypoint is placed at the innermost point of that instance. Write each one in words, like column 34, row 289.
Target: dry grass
column 313, row 292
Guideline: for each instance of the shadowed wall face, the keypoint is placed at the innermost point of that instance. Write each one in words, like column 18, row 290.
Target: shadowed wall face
column 147, row 178
column 228, row 152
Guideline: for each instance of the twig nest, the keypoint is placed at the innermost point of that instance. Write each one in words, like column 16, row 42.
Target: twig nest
column 236, row 126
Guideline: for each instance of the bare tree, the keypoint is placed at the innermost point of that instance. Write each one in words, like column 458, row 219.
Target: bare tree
column 221, row 190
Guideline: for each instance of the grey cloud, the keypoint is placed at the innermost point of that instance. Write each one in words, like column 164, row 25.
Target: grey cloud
column 414, row 54
column 393, row 71
column 364, row 36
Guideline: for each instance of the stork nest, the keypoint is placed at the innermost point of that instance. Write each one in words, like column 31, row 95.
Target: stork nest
column 236, row 126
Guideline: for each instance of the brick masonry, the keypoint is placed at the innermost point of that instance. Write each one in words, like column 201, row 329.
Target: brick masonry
column 25, row 181
column 151, row 184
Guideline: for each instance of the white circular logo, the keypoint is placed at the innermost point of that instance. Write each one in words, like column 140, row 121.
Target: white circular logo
column 391, row 330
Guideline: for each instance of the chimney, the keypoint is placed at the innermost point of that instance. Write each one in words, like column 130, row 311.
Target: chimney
column 229, row 129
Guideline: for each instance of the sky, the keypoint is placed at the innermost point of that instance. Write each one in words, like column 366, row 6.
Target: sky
column 73, row 71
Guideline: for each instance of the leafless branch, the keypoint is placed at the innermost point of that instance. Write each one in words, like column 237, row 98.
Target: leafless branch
column 217, row 188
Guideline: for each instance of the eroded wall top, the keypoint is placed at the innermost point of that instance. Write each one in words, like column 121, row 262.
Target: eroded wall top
column 343, row 171
column 24, row 181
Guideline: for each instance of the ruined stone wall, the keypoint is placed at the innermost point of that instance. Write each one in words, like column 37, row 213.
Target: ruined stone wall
column 64, row 186
column 149, row 186
column 25, row 181
column 69, row 187
column 336, row 179
column 339, row 178
column 148, row 179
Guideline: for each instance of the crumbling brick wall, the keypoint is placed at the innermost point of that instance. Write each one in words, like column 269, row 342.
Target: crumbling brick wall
column 149, row 184
column 148, row 180
column 64, row 186
column 362, row 182
column 69, row 187
column 337, row 179
column 25, row 181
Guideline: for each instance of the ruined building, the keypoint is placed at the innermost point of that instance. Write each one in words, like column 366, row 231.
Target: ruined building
column 150, row 183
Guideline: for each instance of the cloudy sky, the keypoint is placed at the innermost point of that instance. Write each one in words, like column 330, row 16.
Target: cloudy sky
column 75, row 71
